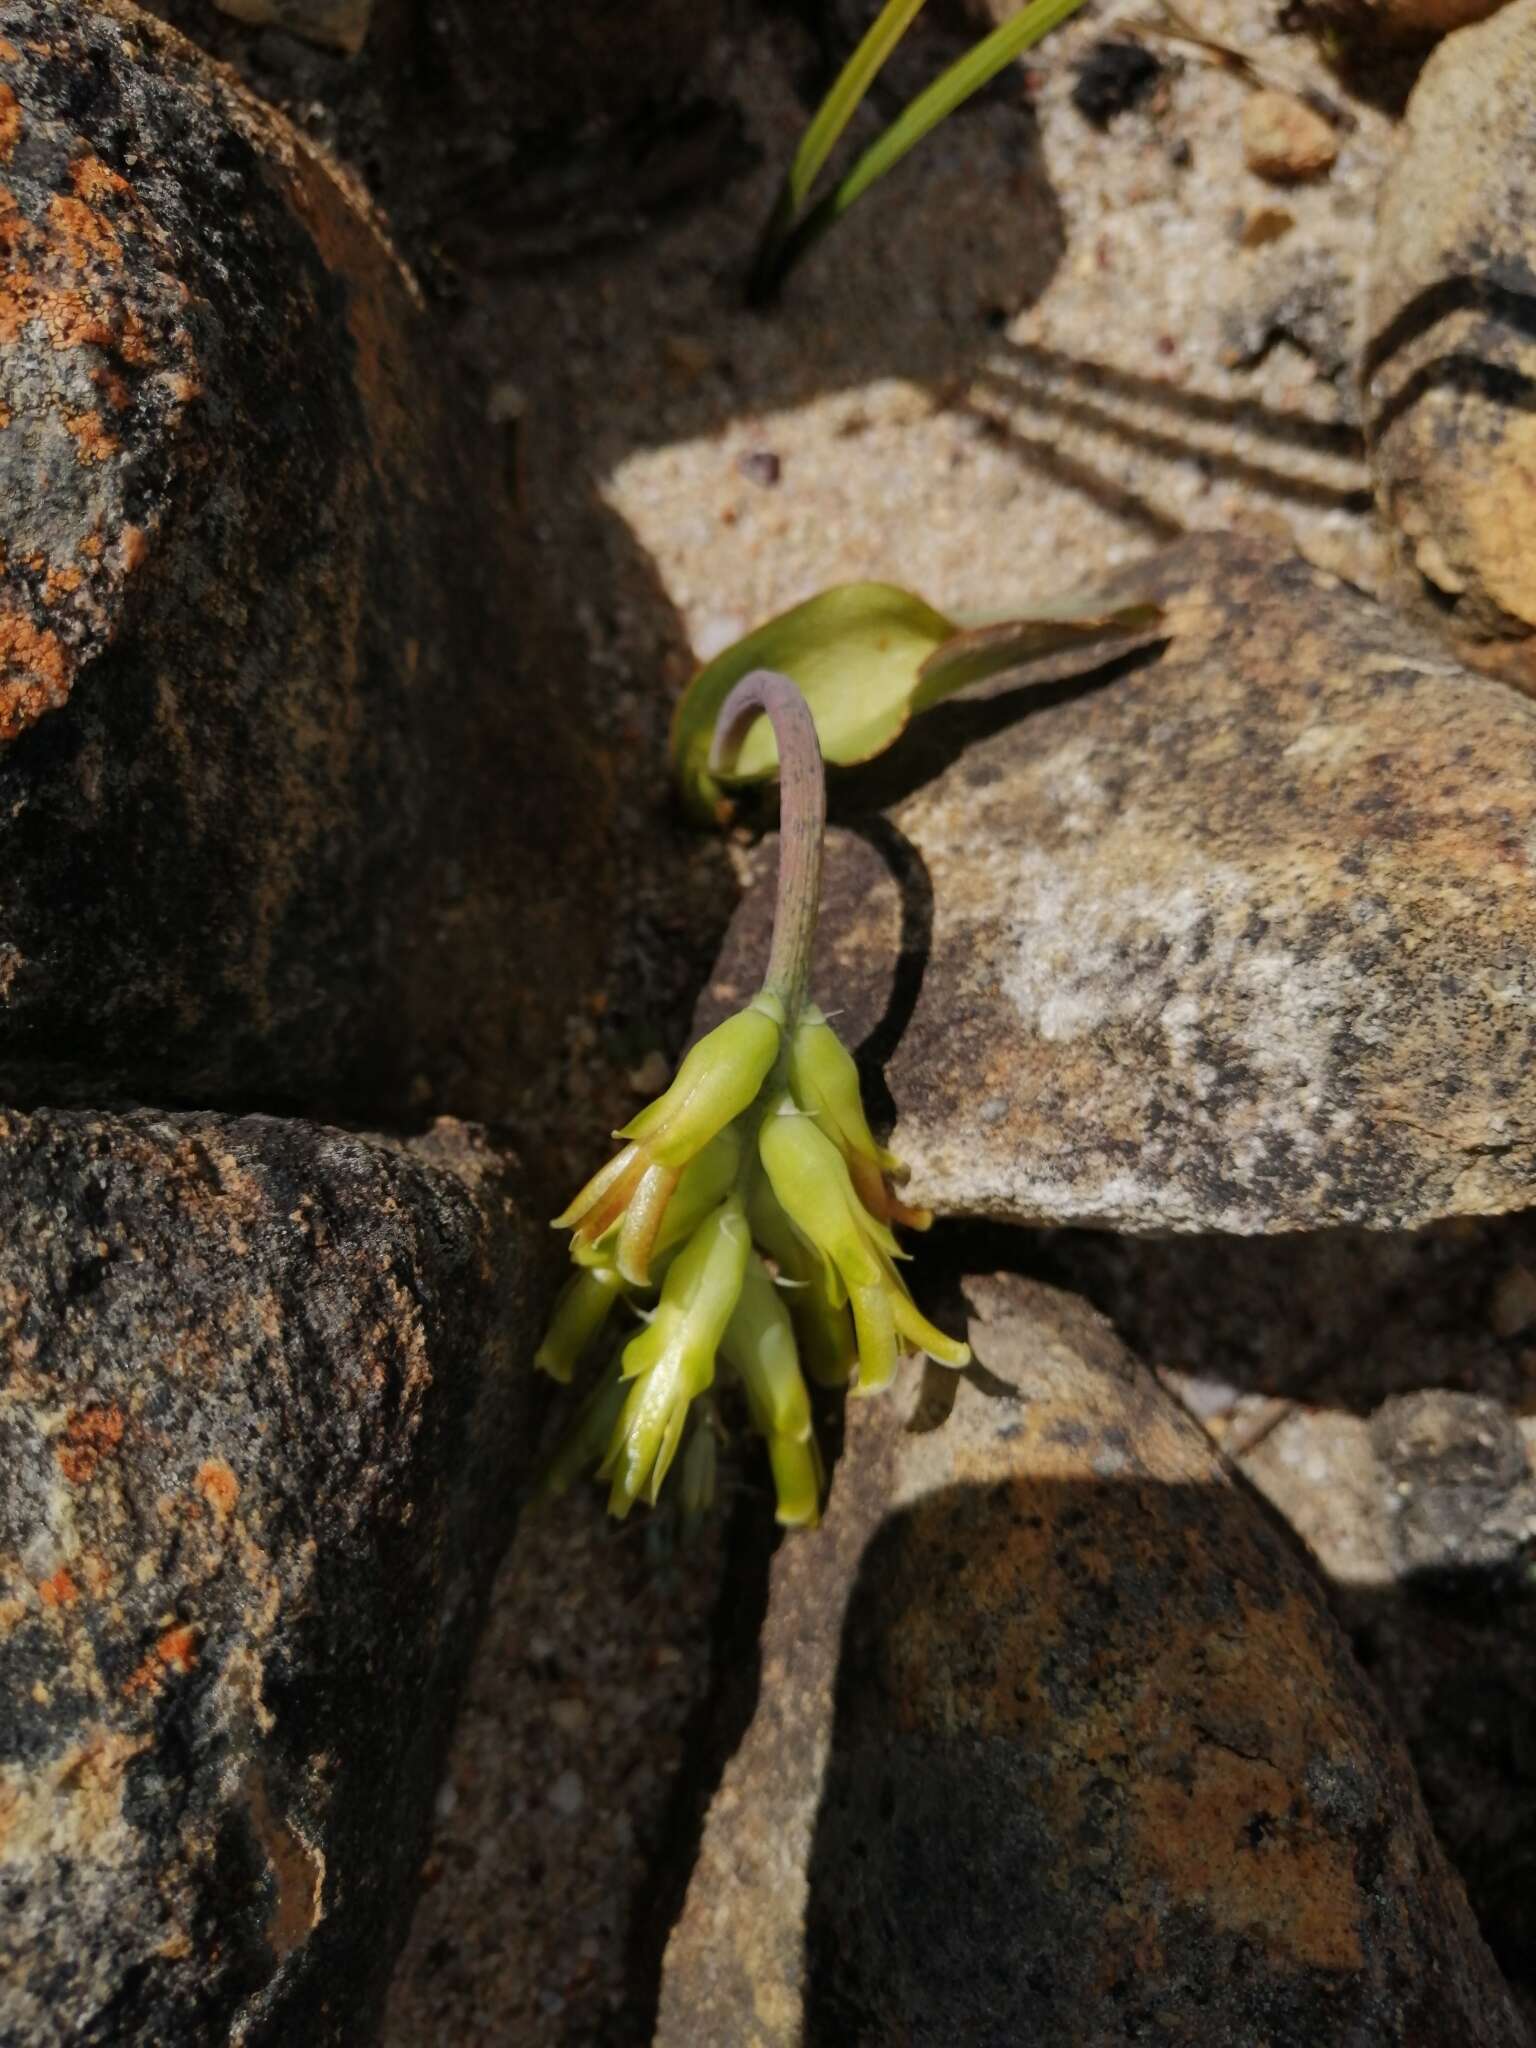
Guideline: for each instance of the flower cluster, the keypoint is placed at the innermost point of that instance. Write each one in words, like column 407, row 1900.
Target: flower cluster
column 747, row 1229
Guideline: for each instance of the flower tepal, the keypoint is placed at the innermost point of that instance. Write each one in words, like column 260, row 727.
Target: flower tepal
column 744, row 1235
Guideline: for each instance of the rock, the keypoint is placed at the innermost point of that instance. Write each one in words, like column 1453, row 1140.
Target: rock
column 284, row 788
column 1449, row 366
column 1235, row 936
column 265, row 1409
column 1284, row 139
column 1056, row 1742
column 1463, row 1494
column 1406, row 21
column 343, row 24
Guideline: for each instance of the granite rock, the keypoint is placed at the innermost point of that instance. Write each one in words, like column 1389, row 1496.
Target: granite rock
column 1233, row 934
column 1449, row 366
column 285, row 781
column 263, row 1414
column 1057, row 1742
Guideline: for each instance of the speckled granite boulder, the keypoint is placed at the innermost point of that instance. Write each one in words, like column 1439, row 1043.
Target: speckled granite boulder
column 1241, row 939
column 284, row 783
column 264, row 1411
column 1058, row 1744
column 1450, row 352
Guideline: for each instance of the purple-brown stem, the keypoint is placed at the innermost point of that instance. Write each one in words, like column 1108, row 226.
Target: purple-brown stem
column 802, row 819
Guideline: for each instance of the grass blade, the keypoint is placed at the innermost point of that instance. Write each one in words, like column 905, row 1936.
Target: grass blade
column 827, row 124
column 978, row 67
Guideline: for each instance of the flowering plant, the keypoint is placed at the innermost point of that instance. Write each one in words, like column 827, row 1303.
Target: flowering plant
column 748, row 1221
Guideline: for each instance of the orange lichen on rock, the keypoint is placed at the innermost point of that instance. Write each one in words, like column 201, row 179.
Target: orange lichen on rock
column 90, row 1435
column 35, row 673
column 218, row 1486
column 93, row 443
column 10, row 123
column 59, row 1590
column 176, row 1650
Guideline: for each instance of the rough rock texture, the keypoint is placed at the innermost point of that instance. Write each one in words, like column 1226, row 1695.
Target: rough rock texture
column 1450, row 341
column 1239, row 940
column 1058, row 1743
column 263, row 1412
column 276, row 768
column 341, row 23
column 1376, row 1387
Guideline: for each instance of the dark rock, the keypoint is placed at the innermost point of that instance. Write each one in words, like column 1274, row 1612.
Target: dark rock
column 284, row 788
column 1449, row 366
column 1463, row 1494
column 265, row 1412
column 1058, row 1743
column 1232, row 936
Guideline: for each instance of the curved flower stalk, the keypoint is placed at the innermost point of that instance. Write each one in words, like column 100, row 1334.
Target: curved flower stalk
column 744, row 1235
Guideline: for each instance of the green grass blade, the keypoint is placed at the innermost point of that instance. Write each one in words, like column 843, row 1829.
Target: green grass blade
column 853, row 81
column 820, row 138
column 951, row 89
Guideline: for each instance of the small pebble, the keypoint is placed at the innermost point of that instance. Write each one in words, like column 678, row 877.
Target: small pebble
column 567, row 1795
column 760, row 466
column 571, row 1717
column 1285, row 140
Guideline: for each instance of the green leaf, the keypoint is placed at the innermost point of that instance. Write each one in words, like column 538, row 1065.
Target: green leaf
column 867, row 657
column 856, row 651
column 975, row 654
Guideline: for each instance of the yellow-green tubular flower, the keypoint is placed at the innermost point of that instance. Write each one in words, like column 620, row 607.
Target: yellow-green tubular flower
column 716, row 1081
column 823, row 1326
column 580, row 1313
column 600, row 1204
column 705, row 1183
column 673, row 1358
column 798, row 1480
column 825, row 1081
column 759, row 1343
column 810, row 1180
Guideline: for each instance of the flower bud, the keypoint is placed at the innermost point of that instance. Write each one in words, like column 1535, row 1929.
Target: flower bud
column 673, row 1358
column 824, row 1080
column 810, row 1181
column 717, row 1080
column 759, row 1345
column 580, row 1313
column 797, row 1480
